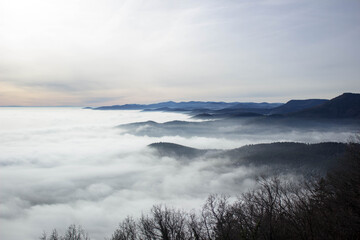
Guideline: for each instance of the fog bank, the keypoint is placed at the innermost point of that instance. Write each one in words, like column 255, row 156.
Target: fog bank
column 60, row 166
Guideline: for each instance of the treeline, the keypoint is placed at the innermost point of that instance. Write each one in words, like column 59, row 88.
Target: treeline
column 325, row 208
column 299, row 157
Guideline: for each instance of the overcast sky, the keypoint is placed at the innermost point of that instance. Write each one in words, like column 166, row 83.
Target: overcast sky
column 92, row 52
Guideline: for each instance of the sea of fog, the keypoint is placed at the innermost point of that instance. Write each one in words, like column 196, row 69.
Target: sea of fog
column 60, row 166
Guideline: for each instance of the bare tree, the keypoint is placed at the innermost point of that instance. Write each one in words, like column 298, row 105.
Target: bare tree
column 127, row 230
column 72, row 233
column 75, row 233
column 196, row 227
column 164, row 223
column 218, row 218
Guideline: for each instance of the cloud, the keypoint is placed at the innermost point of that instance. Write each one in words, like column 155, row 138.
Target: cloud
column 68, row 165
column 63, row 166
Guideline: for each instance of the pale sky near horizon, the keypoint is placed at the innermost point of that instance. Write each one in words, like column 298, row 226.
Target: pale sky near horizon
column 92, row 52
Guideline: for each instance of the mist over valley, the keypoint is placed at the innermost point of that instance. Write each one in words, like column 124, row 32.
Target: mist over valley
column 75, row 163
column 179, row 120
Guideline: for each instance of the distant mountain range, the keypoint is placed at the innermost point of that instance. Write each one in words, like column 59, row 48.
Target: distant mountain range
column 188, row 106
column 344, row 106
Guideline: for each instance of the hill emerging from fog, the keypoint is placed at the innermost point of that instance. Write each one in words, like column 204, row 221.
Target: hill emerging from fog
column 285, row 156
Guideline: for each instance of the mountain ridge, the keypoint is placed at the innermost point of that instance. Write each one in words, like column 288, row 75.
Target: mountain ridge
column 188, row 106
column 297, row 105
column 347, row 105
column 343, row 106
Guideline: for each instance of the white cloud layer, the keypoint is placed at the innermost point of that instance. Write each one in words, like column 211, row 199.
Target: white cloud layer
column 60, row 166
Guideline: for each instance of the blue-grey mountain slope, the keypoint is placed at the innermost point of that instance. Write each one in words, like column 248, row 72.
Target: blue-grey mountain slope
column 297, row 105
column 189, row 106
column 346, row 105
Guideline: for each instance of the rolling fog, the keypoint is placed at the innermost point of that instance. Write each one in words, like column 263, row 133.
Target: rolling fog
column 60, row 166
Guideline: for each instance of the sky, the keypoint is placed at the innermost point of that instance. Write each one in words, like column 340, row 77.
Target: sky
column 93, row 53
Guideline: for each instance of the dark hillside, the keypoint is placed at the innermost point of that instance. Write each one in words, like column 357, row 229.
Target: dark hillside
column 176, row 150
column 321, row 155
column 283, row 155
column 297, row 105
column 346, row 105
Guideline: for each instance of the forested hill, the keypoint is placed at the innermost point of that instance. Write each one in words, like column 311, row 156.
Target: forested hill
column 290, row 155
column 176, row 150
